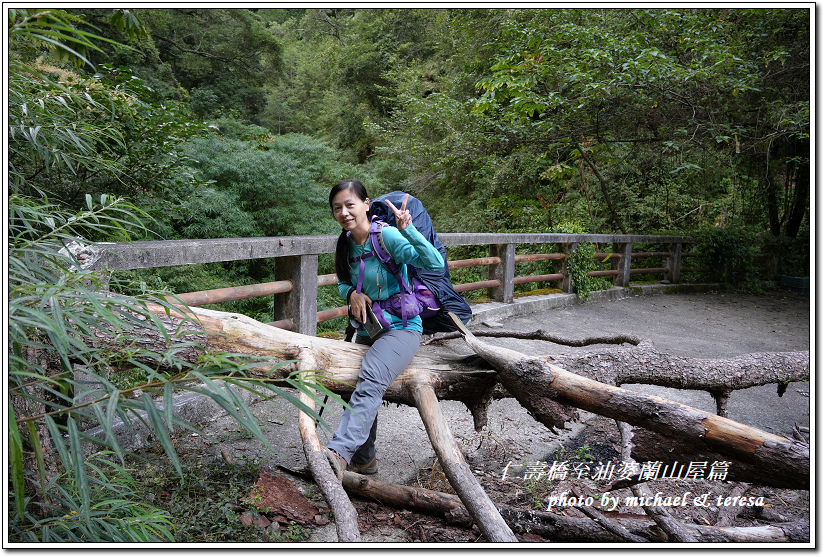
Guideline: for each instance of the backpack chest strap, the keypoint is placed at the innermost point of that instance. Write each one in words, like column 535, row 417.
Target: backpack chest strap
column 362, row 266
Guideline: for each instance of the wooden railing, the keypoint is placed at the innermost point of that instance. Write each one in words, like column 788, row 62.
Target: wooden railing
column 296, row 268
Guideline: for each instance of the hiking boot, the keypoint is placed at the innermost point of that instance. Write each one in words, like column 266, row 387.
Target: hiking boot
column 367, row 468
column 337, row 463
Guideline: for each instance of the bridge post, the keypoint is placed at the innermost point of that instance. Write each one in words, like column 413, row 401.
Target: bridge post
column 674, row 263
column 300, row 305
column 503, row 272
column 622, row 264
column 566, row 284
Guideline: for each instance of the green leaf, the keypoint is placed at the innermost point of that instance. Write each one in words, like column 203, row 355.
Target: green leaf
column 168, row 404
column 79, row 466
column 160, row 431
column 16, row 464
column 57, row 441
column 38, row 454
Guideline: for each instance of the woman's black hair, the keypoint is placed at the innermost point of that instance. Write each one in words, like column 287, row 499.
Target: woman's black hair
column 342, row 249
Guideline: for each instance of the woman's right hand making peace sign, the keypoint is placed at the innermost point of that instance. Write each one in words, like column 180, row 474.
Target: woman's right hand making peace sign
column 402, row 215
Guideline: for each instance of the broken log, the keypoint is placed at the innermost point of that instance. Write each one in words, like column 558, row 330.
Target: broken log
column 456, row 469
column 542, row 388
column 460, row 379
column 651, row 446
column 457, row 378
column 346, row 518
column 610, row 526
column 727, row 515
column 645, row 365
column 675, row 531
column 543, row 335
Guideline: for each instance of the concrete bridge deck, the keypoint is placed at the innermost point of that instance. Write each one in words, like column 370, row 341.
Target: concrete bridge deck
column 710, row 325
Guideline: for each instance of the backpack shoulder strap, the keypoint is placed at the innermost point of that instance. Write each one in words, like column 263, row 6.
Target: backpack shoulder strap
column 383, row 255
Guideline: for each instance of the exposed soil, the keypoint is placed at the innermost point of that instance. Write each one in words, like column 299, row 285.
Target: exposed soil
column 286, row 499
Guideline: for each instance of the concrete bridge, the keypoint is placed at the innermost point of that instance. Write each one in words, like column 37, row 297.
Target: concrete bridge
column 295, row 289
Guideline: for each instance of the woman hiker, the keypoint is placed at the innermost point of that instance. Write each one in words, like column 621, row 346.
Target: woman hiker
column 362, row 281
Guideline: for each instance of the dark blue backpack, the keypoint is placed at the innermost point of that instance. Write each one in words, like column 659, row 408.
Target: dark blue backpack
column 432, row 289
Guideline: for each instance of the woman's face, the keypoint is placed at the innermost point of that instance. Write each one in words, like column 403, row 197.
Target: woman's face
column 349, row 210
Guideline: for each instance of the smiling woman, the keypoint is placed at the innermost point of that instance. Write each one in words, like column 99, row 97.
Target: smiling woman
column 364, row 282
column 350, row 207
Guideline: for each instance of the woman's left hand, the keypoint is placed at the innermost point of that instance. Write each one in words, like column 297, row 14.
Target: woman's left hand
column 402, row 216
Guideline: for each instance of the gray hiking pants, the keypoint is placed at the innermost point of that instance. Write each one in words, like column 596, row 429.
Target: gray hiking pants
column 390, row 353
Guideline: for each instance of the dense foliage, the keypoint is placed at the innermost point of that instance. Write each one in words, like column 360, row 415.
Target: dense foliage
column 639, row 120
column 61, row 376
column 171, row 123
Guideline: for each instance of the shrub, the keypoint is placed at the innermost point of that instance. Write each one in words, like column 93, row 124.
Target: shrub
column 55, row 312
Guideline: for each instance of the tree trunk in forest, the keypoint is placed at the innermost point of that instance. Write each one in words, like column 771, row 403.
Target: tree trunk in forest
column 801, row 193
column 604, row 190
column 771, row 189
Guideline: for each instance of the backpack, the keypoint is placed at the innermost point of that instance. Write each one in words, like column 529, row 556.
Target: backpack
column 429, row 293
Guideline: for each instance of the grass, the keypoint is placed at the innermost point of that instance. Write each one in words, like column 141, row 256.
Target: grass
column 205, row 503
column 537, row 490
column 539, row 292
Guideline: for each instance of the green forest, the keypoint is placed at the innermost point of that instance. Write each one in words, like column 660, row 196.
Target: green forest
column 236, row 122
column 196, row 123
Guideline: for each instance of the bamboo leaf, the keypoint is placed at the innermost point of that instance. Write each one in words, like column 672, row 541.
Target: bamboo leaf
column 168, row 404
column 57, row 441
column 251, row 422
column 38, row 454
column 79, row 466
column 16, row 463
column 107, row 422
column 161, row 432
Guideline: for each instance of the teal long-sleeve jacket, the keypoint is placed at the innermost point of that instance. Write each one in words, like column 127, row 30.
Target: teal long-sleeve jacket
column 405, row 246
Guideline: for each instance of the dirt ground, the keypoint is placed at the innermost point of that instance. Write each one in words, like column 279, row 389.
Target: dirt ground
column 710, row 325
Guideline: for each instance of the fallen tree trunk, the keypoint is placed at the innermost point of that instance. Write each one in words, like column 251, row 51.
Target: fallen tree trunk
column 643, row 364
column 646, row 365
column 346, row 518
column 546, row 390
column 415, row 386
column 549, row 391
column 651, row 446
column 456, row 469
column 458, row 379
column 559, row 527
